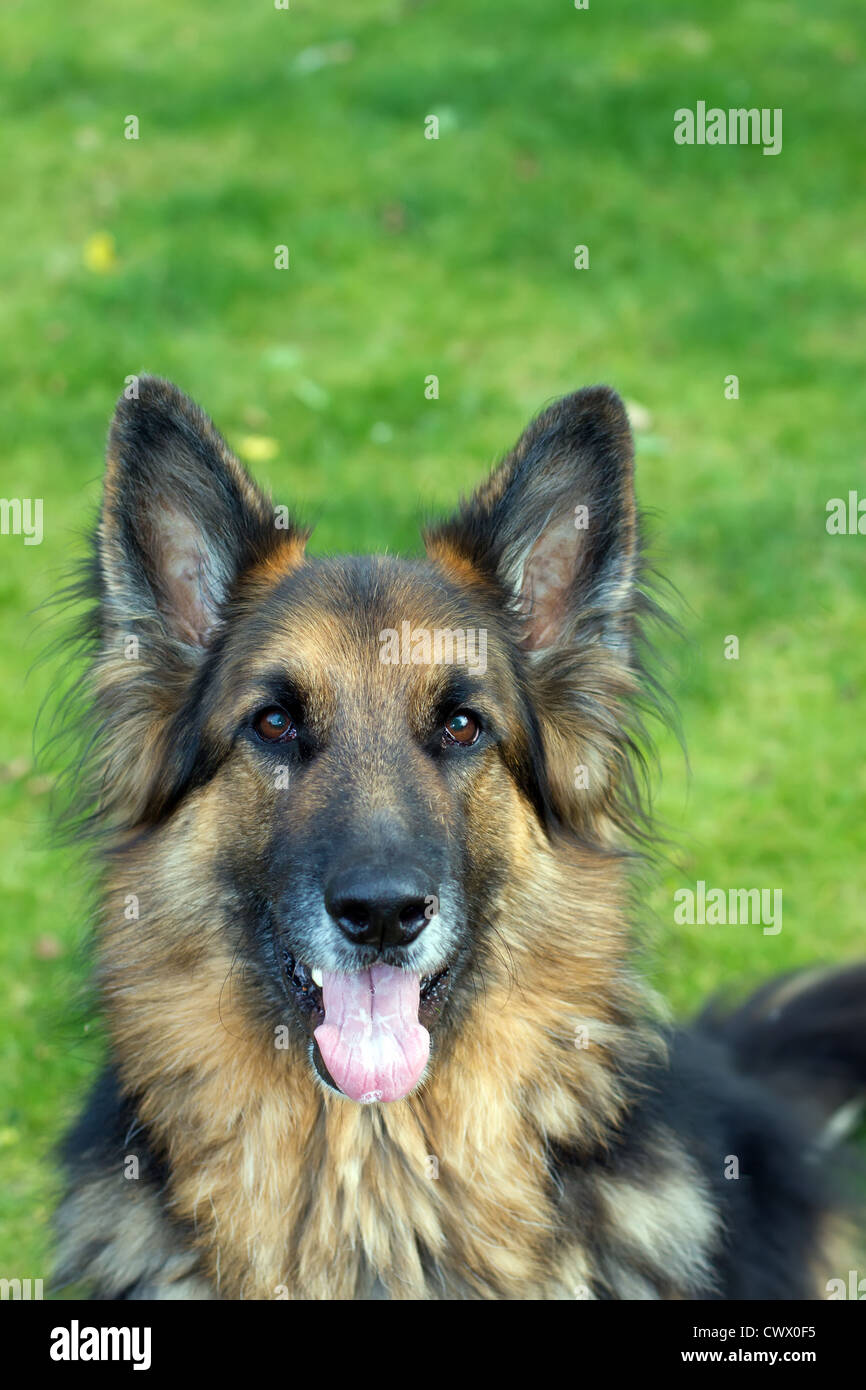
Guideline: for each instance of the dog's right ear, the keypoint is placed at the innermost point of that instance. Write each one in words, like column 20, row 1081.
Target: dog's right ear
column 181, row 525
column 181, row 520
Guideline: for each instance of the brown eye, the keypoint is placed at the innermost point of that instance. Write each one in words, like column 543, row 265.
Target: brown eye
column 462, row 728
column 274, row 725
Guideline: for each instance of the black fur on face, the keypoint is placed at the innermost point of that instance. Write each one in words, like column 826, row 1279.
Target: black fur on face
column 367, row 796
column 249, row 749
column 368, row 779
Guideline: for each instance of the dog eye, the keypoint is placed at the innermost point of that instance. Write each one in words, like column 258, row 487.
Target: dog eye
column 274, row 725
column 463, row 728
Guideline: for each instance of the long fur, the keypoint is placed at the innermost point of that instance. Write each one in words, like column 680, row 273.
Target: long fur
column 564, row 1144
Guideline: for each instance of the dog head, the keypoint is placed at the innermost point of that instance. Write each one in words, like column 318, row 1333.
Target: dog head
column 328, row 770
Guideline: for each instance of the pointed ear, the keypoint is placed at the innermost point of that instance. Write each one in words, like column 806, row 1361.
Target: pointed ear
column 181, row 525
column 181, row 521
column 554, row 525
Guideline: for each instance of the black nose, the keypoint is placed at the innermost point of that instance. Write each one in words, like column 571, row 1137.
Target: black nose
column 377, row 906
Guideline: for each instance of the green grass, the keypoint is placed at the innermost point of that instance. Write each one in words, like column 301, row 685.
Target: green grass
column 454, row 257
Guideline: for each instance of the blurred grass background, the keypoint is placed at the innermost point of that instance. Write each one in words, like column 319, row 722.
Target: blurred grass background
column 411, row 257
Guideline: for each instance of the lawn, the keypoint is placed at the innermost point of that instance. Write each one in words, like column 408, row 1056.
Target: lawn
column 411, row 257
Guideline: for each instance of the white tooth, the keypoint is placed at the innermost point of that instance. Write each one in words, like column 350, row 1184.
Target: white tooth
column 317, row 976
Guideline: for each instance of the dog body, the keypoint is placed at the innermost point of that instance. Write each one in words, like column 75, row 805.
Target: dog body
column 364, row 936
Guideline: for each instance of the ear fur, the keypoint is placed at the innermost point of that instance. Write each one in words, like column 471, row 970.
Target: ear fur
column 554, row 525
column 180, row 526
column 181, row 518
column 554, row 531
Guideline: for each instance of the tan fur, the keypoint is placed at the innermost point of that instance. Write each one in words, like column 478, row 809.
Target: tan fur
column 532, row 1160
column 287, row 1185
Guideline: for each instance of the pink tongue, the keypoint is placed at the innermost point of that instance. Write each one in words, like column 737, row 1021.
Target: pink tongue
column 371, row 1040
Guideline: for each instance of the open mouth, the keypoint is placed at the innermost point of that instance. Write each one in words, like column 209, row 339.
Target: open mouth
column 370, row 1028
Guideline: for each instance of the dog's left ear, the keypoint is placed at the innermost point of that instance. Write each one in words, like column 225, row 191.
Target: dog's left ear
column 554, row 525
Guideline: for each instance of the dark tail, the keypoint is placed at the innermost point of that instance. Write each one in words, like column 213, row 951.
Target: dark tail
column 804, row 1035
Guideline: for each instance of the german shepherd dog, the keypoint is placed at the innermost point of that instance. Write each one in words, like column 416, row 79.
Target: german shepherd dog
column 365, row 828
